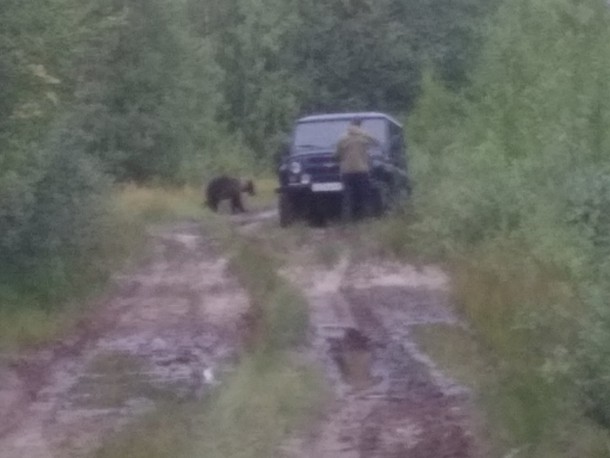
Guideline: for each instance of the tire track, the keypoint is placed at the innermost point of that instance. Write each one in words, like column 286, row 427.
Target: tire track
column 163, row 333
column 390, row 399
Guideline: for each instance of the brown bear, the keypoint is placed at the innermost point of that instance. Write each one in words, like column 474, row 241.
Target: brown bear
column 228, row 188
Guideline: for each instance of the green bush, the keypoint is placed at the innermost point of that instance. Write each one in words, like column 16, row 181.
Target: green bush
column 519, row 160
column 50, row 220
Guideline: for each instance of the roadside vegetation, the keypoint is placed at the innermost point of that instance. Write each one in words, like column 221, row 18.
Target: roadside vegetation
column 112, row 113
column 272, row 394
column 102, row 93
column 513, row 192
column 44, row 302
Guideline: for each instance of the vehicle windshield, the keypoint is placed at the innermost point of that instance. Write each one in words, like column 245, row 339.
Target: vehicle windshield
column 326, row 134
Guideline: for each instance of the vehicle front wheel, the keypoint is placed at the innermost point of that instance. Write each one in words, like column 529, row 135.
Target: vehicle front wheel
column 286, row 210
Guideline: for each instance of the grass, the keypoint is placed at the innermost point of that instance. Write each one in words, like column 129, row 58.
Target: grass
column 30, row 326
column 155, row 204
column 279, row 312
column 521, row 312
column 263, row 404
column 513, row 416
column 271, row 395
column 521, row 306
column 258, row 407
column 266, row 196
column 156, row 435
column 512, row 302
column 393, row 236
column 46, row 303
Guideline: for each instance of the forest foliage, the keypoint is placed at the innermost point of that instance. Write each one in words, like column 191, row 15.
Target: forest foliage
column 170, row 91
column 508, row 105
column 514, row 186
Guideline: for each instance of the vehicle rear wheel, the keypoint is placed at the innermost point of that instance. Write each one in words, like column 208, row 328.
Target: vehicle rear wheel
column 286, row 210
column 380, row 199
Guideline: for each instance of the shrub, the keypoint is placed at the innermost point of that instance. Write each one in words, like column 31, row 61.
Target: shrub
column 50, row 218
column 518, row 162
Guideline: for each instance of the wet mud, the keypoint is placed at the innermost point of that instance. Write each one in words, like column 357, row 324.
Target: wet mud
column 166, row 332
column 390, row 398
column 353, row 355
column 170, row 327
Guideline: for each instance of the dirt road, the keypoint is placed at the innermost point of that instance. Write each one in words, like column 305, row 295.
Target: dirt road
column 391, row 400
column 170, row 326
column 163, row 333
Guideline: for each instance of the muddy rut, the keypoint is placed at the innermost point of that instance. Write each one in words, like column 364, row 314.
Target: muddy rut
column 163, row 334
column 390, row 399
column 169, row 329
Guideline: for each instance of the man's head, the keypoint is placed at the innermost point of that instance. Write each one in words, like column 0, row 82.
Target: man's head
column 356, row 122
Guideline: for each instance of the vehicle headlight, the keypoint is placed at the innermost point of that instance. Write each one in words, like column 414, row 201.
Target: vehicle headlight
column 295, row 167
column 306, row 178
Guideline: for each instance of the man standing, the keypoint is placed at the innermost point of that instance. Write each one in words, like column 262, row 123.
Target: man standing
column 353, row 155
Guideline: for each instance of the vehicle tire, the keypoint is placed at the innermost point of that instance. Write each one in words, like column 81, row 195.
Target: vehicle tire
column 380, row 200
column 318, row 210
column 286, row 210
column 376, row 206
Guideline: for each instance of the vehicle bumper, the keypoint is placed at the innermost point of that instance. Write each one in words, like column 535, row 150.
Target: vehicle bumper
column 293, row 188
column 312, row 188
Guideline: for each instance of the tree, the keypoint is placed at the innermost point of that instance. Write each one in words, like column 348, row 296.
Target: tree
column 284, row 58
column 261, row 92
column 145, row 93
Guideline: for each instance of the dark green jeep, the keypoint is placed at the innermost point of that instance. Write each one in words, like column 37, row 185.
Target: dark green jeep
column 310, row 185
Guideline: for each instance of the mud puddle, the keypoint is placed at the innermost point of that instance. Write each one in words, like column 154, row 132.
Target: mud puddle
column 390, row 398
column 167, row 331
column 354, row 357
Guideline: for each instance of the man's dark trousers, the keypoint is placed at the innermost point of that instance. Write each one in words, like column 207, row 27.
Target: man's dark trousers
column 357, row 194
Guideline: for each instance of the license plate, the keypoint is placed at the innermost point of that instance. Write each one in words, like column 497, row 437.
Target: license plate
column 326, row 187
